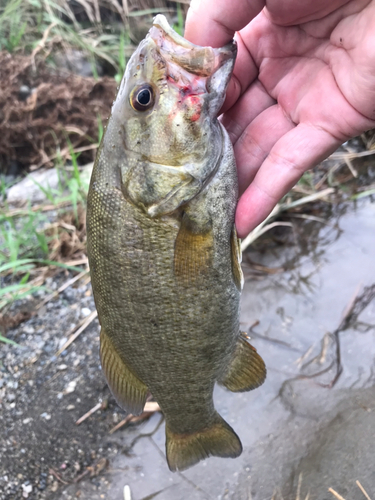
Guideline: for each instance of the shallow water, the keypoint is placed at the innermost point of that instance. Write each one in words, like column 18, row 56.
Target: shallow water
column 302, row 420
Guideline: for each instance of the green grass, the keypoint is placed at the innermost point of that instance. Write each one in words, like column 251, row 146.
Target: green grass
column 180, row 25
column 23, row 288
column 24, row 239
column 27, row 25
column 13, row 26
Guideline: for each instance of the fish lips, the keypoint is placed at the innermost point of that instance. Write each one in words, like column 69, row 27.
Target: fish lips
column 215, row 65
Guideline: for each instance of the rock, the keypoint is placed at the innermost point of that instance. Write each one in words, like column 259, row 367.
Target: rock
column 27, row 488
column 85, row 173
column 62, row 342
column 29, row 329
column 28, row 190
column 55, row 486
column 24, row 92
column 76, row 62
column 85, row 311
column 12, row 384
column 71, row 387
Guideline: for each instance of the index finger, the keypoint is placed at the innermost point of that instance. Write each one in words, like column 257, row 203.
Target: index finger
column 214, row 22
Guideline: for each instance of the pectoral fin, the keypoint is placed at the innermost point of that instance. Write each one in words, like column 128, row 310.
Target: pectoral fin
column 236, row 259
column 129, row 391
column 193, row 252
column 180, row 194
column 246, row 370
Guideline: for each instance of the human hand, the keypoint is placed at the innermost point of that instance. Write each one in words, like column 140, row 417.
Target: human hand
column 303, row 83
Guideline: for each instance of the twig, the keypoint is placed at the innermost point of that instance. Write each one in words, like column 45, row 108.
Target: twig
column 72, row 338
column 66, row 153
column 269, row 339
column 77, row 262
column 61, row 289
column 94, row 470
column 351, row 313
column 362, row 489
column 309, row 217
column 350, row 166
column 299, row 486
column 334, row 493
column 261, row 231
column 86, row 281
column 307, row 199
column 41, row 44
column 350, row 306
column 88, row 10
column 351, row 156
column 274, row 341
column 18, row 212
column 90, row 412
column 127, row 493
column 150, row 408
column 281, row 207
column 57, row 476
column 123, row 422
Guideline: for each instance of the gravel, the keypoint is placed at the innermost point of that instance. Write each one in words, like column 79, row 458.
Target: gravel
column 42, row 450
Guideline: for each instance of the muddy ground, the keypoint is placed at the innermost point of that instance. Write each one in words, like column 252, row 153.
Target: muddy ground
column 297, row 287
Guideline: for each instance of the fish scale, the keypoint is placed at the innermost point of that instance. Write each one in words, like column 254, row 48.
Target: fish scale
column 163, row 251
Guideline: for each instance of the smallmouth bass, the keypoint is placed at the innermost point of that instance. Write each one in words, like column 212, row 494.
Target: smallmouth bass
column 163, row 251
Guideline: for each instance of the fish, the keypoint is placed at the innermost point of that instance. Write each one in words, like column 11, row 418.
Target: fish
column 164, row 256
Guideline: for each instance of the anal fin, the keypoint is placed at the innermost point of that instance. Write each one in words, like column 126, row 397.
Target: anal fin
column 129, row 391
column 246, row 371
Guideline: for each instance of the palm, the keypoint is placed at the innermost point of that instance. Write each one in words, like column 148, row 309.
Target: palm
column 297, row 93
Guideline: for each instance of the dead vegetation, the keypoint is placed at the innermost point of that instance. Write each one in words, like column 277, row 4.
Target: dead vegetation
column 47, row 105
column 277, row 495
column 67, row 237
column 60, row 109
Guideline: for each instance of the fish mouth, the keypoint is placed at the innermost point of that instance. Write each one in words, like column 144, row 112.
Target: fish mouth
column 198, row 60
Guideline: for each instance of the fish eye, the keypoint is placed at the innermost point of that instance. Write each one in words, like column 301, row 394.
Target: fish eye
column 142, row 98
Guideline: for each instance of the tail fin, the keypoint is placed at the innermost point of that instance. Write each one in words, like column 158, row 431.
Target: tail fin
column 185, row 450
